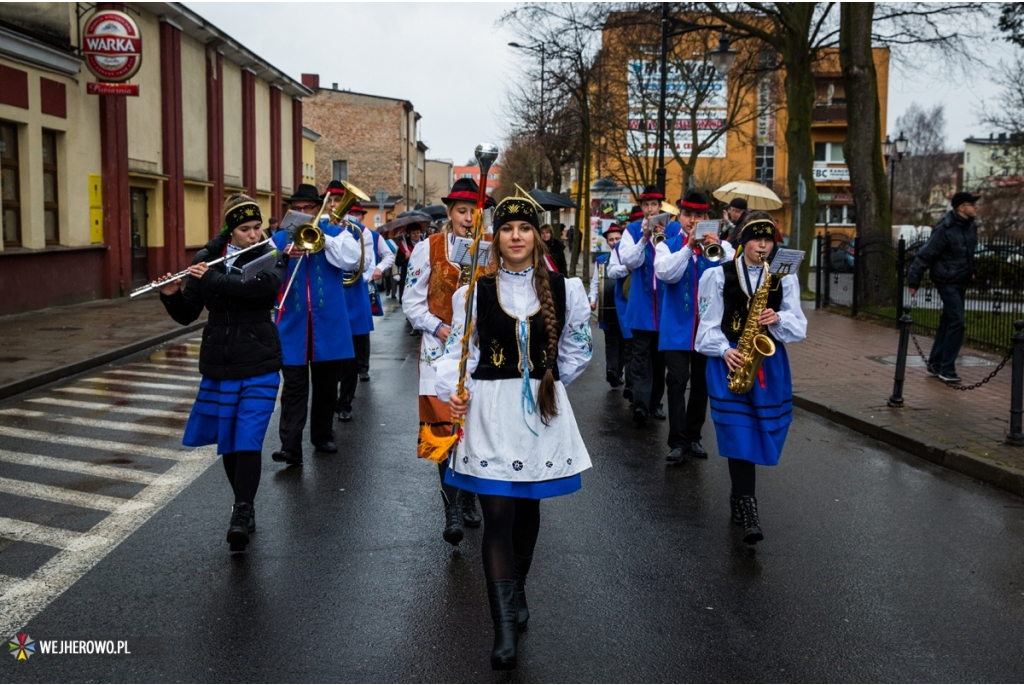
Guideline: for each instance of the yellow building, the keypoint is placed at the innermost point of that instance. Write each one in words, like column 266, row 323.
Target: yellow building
column 104, row 192
column 755, row 149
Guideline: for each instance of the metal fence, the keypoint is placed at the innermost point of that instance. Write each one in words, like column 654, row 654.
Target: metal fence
column 868, row 276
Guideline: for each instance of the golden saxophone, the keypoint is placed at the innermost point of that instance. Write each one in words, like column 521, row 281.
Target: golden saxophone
column 753, row 344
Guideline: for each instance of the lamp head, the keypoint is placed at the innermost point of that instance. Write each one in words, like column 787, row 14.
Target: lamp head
column 486, row 154
column 723, row 57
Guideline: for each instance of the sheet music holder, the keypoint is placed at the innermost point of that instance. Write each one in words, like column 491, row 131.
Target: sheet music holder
column 293, row 220
column 786, row 262
column 461, row 254
column 258, row 266
column 703, row 228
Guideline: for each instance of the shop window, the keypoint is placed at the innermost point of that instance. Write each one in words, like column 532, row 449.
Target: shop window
column 9, row 190
column 51, row 222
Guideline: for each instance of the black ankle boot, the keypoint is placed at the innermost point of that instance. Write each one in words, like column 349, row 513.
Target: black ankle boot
column 751, row 523
column 470, row 516
column 737, row 510
column 522, row 567
column 501, row 594
column 238, row 529
column 454, row 528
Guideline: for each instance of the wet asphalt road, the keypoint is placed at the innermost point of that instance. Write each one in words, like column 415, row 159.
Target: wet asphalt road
column 876, row 566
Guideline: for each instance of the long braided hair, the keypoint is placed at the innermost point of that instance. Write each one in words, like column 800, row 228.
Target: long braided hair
column 547, row 403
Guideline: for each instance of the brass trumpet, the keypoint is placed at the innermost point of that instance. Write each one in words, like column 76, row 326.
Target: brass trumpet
column 713, row 252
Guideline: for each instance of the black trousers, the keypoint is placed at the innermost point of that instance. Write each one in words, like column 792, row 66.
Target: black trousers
column 647, row 368
column 686, row 422
column 627, row 359
column 614, row 349
column 348, row 375
column 295, row 403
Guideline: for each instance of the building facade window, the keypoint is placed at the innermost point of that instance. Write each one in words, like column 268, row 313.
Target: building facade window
column 9, row 184
column 51, row 221
column 764, row 165
column 340, row 171
column 830, row 153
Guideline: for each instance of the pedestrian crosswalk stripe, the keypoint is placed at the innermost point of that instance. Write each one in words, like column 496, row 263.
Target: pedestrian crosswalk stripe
column 93, row 423
column 75, row 466
column 187, row 364
column 113, row 408
column 100, row 392
column 38, row 534
column 102, row 445
column 138, row 384
column 52, row 493
column 22, row 599
column 189, row 377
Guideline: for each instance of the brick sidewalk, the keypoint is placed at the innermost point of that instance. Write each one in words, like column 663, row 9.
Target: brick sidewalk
column 834, row 367
column 39, row 344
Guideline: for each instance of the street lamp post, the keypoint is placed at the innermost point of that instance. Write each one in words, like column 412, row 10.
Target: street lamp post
column 722, row 58
column 893, row 151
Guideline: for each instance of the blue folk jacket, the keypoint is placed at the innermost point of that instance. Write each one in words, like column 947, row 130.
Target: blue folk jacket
column 643, row 304
column 679, row 315
column 357, row 297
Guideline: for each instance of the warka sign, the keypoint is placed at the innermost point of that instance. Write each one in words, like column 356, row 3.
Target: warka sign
column 112, row 45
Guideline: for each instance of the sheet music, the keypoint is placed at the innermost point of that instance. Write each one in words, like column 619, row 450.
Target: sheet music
column 786, row 262
column 461, row 253
column 659, row 220
column 258, row 266
column 705, row 227
column 293, row 220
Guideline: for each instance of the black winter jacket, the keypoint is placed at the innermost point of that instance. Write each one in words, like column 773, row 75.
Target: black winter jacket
column 240, row 340
column 949, row 253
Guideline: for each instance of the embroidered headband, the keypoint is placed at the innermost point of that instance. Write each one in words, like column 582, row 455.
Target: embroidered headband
column 240, row 214
column 758, row 228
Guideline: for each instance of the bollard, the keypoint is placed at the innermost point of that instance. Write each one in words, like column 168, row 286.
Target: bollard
column 1015, row 437
column 817, row 275
column 896, row 399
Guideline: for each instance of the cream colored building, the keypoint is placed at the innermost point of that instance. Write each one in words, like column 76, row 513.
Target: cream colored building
column 439, row 180
column 102, row 193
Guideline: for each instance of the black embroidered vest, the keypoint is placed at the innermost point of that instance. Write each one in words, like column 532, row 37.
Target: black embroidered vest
column 497, row 332
column 734, row 316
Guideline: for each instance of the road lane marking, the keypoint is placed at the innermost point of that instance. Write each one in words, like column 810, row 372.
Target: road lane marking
column 93, row 423
column 137, row 384
column 111, row 408
column 74, row 466
column 23, row 599
column 52, row 493
column 38, row 534
column 184, row 377
column 101, row 445
column 100, row 392
column 186, row 365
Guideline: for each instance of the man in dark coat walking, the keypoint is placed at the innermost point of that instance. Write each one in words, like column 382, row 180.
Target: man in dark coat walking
column 949, row 255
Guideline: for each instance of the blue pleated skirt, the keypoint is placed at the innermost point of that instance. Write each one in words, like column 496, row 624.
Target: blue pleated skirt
column 233, row 414
column 752, row 426
column 527, row 490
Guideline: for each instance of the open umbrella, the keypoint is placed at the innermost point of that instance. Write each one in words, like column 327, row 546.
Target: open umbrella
column 439, row 212
column 551, row 201
column 400, row 224
column 757, row 196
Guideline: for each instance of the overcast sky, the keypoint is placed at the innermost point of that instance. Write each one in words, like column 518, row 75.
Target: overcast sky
column 452, row 62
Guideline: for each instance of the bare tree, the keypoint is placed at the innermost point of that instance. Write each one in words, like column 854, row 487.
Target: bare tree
column 1006, row 114
column 925, row 166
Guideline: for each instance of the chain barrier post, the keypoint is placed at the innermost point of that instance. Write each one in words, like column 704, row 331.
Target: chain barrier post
column 901, row 256
column 856, row 276
column 1015, row 436
column 896, row 399
column 817, row 275
column 826, row 298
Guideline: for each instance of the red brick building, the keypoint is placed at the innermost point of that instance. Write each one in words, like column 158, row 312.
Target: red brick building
column 473, row 172
column 369, row 140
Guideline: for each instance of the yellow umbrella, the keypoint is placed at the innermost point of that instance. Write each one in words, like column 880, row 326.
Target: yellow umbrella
column 757, row 196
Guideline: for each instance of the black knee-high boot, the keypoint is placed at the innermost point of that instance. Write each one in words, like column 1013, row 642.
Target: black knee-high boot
column 501, row 594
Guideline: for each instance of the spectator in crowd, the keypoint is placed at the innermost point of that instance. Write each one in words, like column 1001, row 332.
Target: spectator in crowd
column 556, row 248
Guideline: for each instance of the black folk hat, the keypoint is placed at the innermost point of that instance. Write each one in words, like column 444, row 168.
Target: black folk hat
column 635, row 214
column 651, row 193
column 305, row 193
column 613, row 228
column 463, row 190
column 694, row 201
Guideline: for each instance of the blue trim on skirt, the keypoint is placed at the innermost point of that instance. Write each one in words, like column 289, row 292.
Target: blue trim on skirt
column 527, row 490
column 233, row 414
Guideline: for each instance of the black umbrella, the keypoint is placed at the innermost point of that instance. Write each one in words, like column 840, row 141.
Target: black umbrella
column 400, row 224
column 435, row 211
column 551, row 201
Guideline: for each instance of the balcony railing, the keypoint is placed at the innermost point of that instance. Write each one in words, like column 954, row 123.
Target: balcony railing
column 830, row 113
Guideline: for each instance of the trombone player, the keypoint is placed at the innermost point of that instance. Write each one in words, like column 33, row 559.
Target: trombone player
column 679, row 264
column 314, row 328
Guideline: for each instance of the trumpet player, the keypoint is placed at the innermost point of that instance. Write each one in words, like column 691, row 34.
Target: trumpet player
column 240, row 356
column 680, row 262
column 750, row 427
column 636, row 250
column 315, row 332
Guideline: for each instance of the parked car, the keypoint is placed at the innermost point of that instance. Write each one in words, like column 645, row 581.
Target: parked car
column 841, row 257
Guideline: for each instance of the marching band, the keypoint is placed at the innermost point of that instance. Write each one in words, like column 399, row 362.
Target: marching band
column 500, row 339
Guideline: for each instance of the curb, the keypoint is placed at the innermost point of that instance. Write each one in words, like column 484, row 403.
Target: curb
column 918, row 444
column 32, row 382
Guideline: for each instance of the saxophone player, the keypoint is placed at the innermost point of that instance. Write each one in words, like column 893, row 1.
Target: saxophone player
column 750, row 427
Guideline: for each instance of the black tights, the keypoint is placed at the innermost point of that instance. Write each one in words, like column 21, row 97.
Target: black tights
column 243, row 469
column 511, row 525
column 743, row 477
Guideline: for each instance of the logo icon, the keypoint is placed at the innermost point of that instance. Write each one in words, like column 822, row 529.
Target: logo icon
column 112, row 46
column 22, row 647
